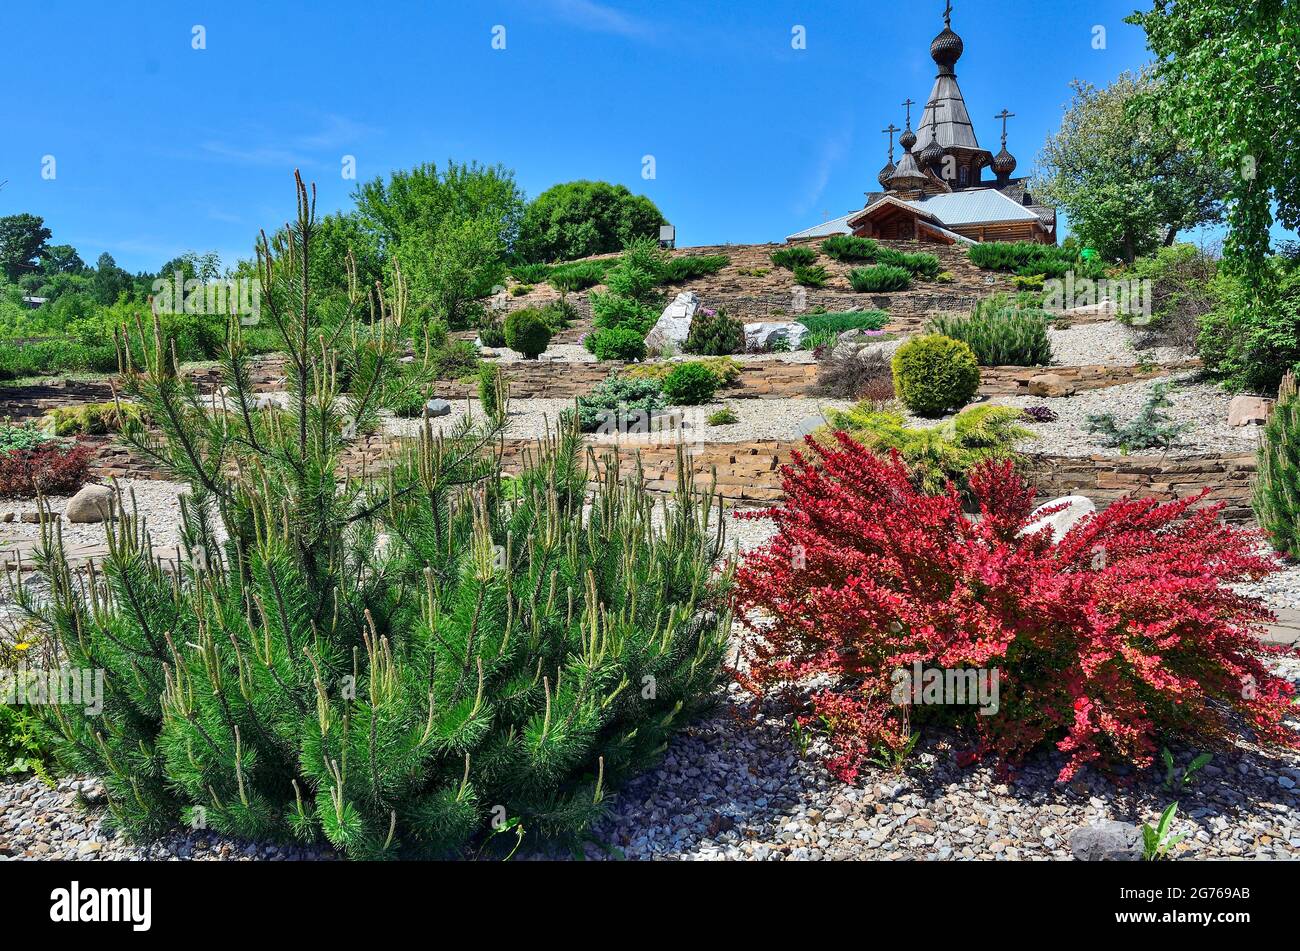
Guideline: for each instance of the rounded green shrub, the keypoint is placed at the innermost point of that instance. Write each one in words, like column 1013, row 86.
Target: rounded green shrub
column 690, row 384
column 934, row 373
column 527, row 332
column 882, row 277
column 617, row 343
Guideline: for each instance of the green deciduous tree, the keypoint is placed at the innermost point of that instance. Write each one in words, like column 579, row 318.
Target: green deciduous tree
column 1125, row 179
column 1230, row 74
column 578, row 219
column 22, row 242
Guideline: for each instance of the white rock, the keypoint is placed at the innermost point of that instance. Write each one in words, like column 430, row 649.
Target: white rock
column 94, row 503
column 674, row 323
column 1076, row 509
column 765, row 334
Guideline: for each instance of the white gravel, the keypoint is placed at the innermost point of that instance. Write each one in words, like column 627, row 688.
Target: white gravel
column 1108, row 344
column 1203, row 405
column 758, row 419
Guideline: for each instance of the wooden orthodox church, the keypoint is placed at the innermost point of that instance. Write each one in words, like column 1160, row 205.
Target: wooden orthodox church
column 936, row 191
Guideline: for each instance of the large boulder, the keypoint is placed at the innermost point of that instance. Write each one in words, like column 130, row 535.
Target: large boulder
column 94, row 503
column 1107, row 842
column 1075, row 509
column 436, row 407
column 1249, row 411
column 670, row 330
column 766, row 334
column 1050, row 385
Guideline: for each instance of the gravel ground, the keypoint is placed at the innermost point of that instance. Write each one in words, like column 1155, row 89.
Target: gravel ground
column 155, row 500
column 1201, row 405
column 1108, row 344
column 758, row 419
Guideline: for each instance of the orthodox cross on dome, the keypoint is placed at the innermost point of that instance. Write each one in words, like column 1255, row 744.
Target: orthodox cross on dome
column 890, row 132
column 907, row 104
column 947, row 15
column 1004, row 115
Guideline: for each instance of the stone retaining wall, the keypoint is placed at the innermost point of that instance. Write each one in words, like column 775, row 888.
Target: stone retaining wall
column 1014, row 381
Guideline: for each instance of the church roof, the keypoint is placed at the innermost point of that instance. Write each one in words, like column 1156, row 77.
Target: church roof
column 974, row 206
column 953, row 127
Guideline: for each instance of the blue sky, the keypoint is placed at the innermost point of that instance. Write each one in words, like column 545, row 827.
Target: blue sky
column 161, row 148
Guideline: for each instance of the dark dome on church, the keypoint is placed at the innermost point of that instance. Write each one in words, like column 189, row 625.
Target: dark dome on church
column 931, row 155
column 907, row 139
column 946, row 49
column 1004, row 163
column 886, row 174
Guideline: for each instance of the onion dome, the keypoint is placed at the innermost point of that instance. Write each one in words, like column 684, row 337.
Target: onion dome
column 886, row 174
column 946, row 49
column 932, row 154
column 907, row 139
column 1004, row 163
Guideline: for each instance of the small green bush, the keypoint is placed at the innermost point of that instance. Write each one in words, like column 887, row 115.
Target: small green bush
column 26, row 436
column 849, row 248
column 677, row 270
column 916, row 264
column 492, row 391
column 722, row 417
column 714, row 333
column 491, row 332
column 690, row 384
column 814, row 275
column 454, row 360
column 616, row 396
column 617, row 343
column 614, row 310
column 934, row 374
column 1000, row 332
column 577, row 275
column 882, row 277
column 935, row 455
column 91, row 419
column 725, row 369
column 520, row 290
column 1151, row 428
column 846, row 320
column 527, row 332
column 531, row 273
column 558, row 314
column 794, row 255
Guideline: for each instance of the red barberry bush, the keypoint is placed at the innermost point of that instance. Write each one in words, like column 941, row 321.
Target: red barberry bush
column 1125, row 634
column 52, row 468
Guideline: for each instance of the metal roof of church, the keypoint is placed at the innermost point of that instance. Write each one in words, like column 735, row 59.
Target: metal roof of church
column 974, row 206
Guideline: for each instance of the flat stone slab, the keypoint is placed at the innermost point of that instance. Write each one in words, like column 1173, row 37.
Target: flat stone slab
column 1286, row 630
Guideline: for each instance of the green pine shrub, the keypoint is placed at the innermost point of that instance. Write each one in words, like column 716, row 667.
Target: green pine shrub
column 934, row 374
column 493, row 392
column 811, row 275
column 937, row 455
column 527, row 332
column 690, row 384
column 848, row 320
column 848, row 248
column 1001, row 332
column 880, row 278
column 714, row 333
column 22, row 436
column 531, row 273
column 723, row 417
column 617, row 343
column 678, row 270
column 794, row 255
column 577, row 275
column 616, row 398
column 1276, row 499
column 381, row 664
column 1151, row 428
column 918, row 264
